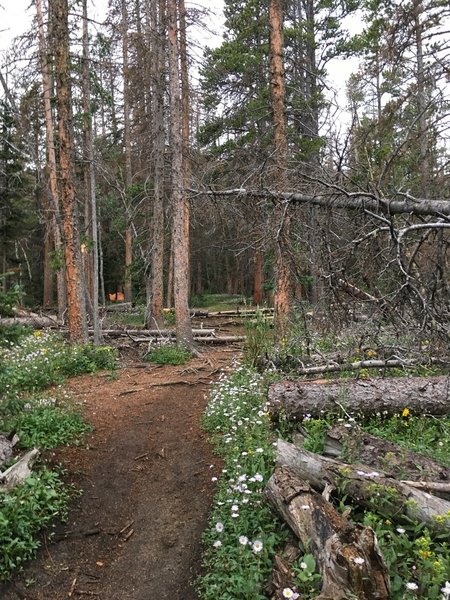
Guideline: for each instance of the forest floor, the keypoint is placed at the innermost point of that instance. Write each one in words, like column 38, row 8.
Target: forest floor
column 145, row 472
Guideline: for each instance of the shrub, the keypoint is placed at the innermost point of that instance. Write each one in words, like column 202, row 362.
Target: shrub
column 168, row 354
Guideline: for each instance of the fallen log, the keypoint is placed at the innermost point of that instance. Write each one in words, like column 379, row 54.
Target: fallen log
column 348, row 555
column 152, row 332
column 225, row 339
column 389, row 396
column 381, row 364
column 437, row 488
column 19, row 471
column 359, row 446
column 244, row 312
column 371, row 489
column 36, row 321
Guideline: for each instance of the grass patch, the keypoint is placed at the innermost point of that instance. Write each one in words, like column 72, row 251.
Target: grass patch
column 168, row 354
column 41, row 359
column 46, row 422
column 218, row 302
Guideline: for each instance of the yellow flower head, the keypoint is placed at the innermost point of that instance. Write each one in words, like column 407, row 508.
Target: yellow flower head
column 405, row 413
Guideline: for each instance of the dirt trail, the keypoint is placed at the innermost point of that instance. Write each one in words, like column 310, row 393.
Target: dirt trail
column 135, row 534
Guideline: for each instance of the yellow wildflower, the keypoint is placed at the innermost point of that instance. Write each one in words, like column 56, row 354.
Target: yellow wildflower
column 405, row 413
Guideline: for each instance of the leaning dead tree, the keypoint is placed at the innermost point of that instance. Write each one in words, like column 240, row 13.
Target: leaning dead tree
column 379, row 260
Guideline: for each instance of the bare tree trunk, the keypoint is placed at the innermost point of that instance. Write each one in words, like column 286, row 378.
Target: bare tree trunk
column 155, row 283
column 425, row 175
column 185, row 122
column 54, row 208
column 89, row 174
column 127, row 144
column 76, row 312
column 284, row 288
column 169, row 295
column 258, row 278
column 181, row 212
column 48, row 271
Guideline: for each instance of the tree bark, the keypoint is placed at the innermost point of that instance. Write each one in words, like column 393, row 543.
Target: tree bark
column 155, row 282
column 76, row 312
column 283, row 277
column 389, row 396
column 127, row 145
column 89, row 177
column 258, row 278
column 348, row 555
column 371, row 489
column 54, row 226
column 180, row 201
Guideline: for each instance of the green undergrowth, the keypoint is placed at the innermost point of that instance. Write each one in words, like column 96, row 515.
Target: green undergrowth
column 418, row 559
column 30, row 362
column 168, row 354
column 24, row 512
column 218, row 302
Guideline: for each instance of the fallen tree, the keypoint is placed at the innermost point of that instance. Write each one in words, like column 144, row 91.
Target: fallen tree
column 354, row 444
column 153, row 332
column 348, row 556
column 389, row 396
column 380, row 364
column 343, row 199
column 19, row 471
column 371, row 489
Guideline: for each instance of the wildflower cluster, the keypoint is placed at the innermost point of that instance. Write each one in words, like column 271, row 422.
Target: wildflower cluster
column 41, row 358
column 242, row 537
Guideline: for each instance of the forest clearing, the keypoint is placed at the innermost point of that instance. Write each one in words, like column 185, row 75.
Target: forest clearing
column 225, row 301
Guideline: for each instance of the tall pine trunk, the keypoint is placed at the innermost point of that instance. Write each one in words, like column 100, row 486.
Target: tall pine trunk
column 89, row 177
column 76, row 312
column 127, row 144
column 180, row 208
column 53, row 224
column 155, row 283
column 283, row 276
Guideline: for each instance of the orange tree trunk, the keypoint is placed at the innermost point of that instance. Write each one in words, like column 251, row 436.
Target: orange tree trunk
column 76, row 313
column 283, row 284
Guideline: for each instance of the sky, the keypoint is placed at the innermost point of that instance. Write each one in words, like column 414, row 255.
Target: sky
column 16, row 15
